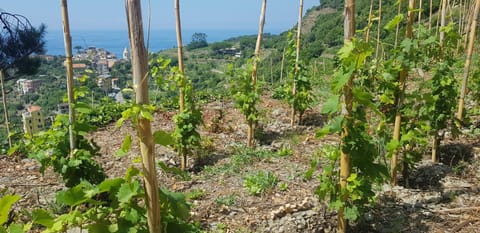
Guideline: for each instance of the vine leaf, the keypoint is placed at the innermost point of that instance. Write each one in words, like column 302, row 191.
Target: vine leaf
column 5, row 203
column 127, row 142
column 331, row 105
column 43, row 217
column 163, row 138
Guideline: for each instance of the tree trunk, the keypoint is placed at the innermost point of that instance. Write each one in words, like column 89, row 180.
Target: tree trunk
column 251, row 124
column 69, row 65
column 5, row 110
column 181, row 97
column 297, row 60
column 466, row 72
column 349, row 33
column 400, row 97
column 144, row 132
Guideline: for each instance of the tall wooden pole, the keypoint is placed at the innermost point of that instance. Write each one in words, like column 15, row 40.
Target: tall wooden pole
column 430, row 15
column 144, row 131
column 466, row 71
column 348, row 34
column 181, row 97
column 443, row 18
column 400, row 97
column 5, row 110
column 397, row 28
column 369, row 22
column 282, row 65
column 251, row 124
column 69, row 65
column 377, row 50
column 297, row 60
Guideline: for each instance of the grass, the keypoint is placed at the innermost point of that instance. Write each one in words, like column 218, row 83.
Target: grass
column 260, row 182
column 241, row 158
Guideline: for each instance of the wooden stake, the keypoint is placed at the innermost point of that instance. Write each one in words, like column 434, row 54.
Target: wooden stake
column 466, row 71
column 399, row 98
column 5, row 109
column 144, row 129
column 181, row 97
column 378, row 28
column 69, row 65
column 297, row 60
column 251, row 124
column 397, row 29
column 349, row 33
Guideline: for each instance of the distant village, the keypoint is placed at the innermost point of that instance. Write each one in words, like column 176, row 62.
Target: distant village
column 99, row 60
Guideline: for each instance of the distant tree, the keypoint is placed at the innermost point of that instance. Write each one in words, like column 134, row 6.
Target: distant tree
column 18, row 40
column 199, row 40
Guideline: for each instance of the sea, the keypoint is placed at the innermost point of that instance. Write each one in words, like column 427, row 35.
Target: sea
column 116, row 41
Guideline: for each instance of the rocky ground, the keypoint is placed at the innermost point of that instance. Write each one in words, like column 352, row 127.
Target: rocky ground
column 441, row 197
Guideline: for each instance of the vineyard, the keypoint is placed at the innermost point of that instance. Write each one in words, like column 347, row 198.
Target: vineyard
column 379, row 132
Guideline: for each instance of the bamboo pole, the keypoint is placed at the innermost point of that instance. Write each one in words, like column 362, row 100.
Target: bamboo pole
column 297, row 60
column 5, row 110
column 377, row 49
column 430, row 15
column 443, row 17
column 258, row 44
column 466, row 72
column 144, row 131
column 349, row 33
column 420, row 9
column 282, row 65
column 399, row 98
column 397, row 28
column 468, row 25
column 181, row 98
column 69, row 65
column 369, row 23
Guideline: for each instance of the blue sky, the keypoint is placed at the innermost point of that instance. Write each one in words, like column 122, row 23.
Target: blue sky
column 196, row 14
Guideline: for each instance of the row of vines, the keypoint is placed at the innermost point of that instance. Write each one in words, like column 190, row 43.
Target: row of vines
column 390, row 99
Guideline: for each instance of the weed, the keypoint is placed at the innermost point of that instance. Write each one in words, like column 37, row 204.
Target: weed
column 195, row 194
column 283, row 186
column 260, row 182
column 228, row 200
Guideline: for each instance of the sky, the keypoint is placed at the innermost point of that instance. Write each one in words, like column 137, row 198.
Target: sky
column 195, row 14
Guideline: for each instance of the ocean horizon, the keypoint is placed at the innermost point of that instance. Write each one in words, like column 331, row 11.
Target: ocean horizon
column 116, row 40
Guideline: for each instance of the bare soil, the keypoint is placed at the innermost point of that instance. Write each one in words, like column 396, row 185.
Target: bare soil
column 441, row 197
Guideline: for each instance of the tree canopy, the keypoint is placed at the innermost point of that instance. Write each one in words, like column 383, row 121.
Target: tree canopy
column 18, row 40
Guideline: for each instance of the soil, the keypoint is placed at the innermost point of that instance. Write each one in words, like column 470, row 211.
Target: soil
column 440, row 197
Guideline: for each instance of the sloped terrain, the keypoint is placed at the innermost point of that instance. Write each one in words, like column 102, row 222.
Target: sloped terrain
column 440, row 197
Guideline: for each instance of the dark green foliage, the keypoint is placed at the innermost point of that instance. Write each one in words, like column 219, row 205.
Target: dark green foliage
column 51, row 148
column 115, row 205
column 246, row 93
column 199, row 40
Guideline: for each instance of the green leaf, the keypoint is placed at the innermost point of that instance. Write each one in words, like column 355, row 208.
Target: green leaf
column 127, row 142
column 331, row 105
column 392, row 24
column 362, row 97
column 127, row 191
column 163, row 138
column 43, row 217
column 6, row 203
column 16, row 228
column 83, row 108
column 351, row 213
column 392, row 145
column 72, row 197
column 108, row 185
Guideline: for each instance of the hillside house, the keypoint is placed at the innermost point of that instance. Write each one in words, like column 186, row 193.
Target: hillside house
column 33, row 120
